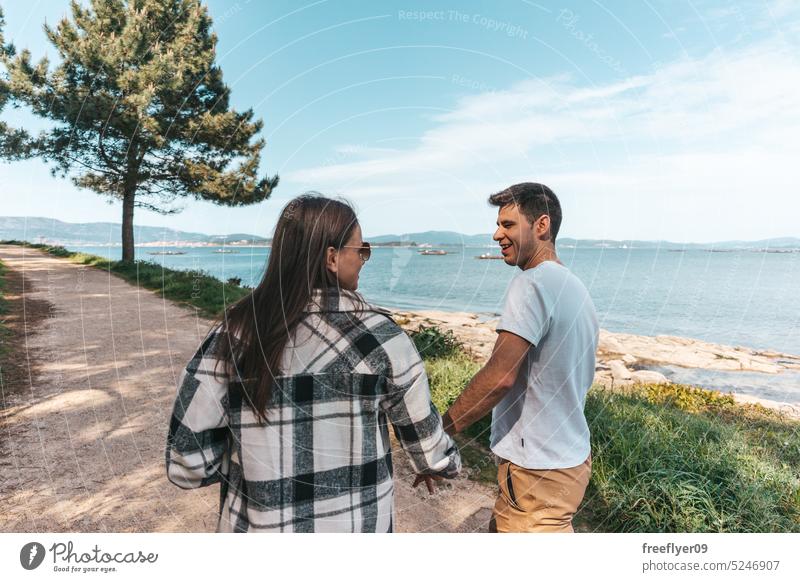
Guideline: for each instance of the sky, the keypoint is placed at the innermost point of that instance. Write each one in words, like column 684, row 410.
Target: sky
column 652, row 120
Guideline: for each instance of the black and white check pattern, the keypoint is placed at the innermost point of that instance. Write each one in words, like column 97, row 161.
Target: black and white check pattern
column 323, row 460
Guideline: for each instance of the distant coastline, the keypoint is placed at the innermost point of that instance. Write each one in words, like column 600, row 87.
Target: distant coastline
column 55, row 232
column 412, row 245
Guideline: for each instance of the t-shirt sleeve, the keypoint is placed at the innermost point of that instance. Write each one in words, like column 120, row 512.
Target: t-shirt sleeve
column 525, row 312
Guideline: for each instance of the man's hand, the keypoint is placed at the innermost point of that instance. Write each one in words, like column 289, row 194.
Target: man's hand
column 428, row 479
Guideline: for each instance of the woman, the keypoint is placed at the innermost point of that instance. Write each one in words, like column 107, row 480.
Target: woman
column 286, row 402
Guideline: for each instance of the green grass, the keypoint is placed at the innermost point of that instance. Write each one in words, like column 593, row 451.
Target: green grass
column 195, row 288
column 671, row 458
column 433, row 343
column 666, row 458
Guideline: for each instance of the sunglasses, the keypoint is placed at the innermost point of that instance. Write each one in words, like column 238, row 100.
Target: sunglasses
column 364, row 251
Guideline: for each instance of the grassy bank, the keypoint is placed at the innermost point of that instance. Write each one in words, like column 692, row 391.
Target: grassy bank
column 196, row 288
column 667, row 458
column 676, row 458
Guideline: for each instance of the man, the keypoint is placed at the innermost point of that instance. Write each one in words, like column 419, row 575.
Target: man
column 537, row 377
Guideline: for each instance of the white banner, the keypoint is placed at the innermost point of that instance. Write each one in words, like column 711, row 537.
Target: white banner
column 400, row 556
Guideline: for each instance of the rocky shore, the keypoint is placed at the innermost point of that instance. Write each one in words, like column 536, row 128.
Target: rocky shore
column 623, row 359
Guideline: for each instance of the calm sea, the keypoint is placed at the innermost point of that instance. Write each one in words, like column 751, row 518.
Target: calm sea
column 739, row 298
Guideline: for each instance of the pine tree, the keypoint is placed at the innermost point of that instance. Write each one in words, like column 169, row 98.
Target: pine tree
column 13, row 142
column 140, row 109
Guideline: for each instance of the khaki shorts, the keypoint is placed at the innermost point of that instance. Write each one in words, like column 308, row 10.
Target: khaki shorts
column 541, row 500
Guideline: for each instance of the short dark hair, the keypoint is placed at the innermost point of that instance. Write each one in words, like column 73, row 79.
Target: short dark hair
column 534, row 200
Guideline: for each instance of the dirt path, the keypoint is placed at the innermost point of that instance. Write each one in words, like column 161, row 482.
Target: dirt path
column 82, row 436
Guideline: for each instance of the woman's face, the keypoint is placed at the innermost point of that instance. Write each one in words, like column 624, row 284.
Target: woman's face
column 345, row 263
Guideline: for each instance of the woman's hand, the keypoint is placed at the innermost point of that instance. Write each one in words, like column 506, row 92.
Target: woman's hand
column 428, row 479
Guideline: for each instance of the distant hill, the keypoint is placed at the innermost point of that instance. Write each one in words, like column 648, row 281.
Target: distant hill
column 445, row 238
column 54, row 231
column 436, row 237
column 99, row 233
column 772, row 243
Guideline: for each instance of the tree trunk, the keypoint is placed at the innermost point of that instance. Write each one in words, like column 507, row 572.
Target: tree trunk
column 127, row 224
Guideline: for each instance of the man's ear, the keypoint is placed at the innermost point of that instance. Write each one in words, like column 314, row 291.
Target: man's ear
column 332, row 260
column 542, row 227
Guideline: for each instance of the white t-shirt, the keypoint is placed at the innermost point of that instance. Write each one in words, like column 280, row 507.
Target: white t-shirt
column 540, row 423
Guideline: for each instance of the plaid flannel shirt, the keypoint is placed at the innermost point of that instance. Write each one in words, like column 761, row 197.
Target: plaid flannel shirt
column 322, row 462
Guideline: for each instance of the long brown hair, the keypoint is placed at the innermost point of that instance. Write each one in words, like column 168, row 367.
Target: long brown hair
column 257, row 327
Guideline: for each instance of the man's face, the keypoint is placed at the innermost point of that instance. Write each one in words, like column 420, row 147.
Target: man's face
column 515, row 235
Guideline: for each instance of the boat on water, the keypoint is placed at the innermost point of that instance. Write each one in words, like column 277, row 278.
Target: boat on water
column 225, row 251
column 489, row 256
column 433, row 252
column 167, row 253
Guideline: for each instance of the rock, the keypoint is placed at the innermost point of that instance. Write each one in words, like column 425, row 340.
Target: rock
column 618, row 370
column 610, row 345
column 629, row 350
column 648, row 377
column 785, row 408
column 675, row 340
column 603, row 378
column 759, row 366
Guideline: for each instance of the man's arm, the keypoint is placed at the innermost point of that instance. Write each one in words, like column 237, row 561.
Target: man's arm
column 490, row 384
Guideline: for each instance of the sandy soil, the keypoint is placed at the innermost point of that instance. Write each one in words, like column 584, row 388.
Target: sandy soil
column 85, row 413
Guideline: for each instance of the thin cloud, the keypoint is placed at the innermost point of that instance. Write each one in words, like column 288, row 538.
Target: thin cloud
column 722, row 99
column 722, row 125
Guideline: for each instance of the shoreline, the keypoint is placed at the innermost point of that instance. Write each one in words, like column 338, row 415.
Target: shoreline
column 623, row 359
